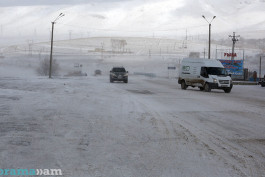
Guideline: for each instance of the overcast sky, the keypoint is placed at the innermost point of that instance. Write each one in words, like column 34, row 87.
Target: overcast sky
column 5, row 3
column 129, row 17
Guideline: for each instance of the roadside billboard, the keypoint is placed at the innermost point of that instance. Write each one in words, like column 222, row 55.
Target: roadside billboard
column 234, row 67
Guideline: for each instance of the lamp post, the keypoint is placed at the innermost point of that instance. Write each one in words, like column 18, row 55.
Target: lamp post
column 50, row 69
column 209, row 50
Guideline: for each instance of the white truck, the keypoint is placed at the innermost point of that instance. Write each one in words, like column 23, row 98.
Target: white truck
column 206, row 74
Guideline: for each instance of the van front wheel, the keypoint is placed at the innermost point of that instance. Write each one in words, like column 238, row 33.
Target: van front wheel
column 227, row 90
column 207, row 87
column 183, row 85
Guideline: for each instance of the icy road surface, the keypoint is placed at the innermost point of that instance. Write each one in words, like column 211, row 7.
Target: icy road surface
column 147, row 128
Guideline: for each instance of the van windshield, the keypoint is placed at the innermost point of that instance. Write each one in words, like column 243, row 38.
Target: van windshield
column 216, row 71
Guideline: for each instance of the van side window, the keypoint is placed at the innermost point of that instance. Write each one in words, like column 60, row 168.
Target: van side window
column 204, row 72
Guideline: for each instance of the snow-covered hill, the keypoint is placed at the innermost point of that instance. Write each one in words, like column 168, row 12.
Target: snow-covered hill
column 155, row 54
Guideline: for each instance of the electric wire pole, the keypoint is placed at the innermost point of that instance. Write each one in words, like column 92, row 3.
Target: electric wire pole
column 1, row 30
column 70, row 34
column 260, row 69
column 234, row 39
column 50, row 69
column 102, row 49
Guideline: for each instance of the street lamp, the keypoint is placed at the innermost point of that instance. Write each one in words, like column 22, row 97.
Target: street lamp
column 209, row 52
column 50, row 70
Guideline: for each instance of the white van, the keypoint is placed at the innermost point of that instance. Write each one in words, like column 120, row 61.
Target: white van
column 206, row 74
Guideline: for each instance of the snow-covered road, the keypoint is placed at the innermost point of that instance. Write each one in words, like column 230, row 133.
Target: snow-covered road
column 149, row 127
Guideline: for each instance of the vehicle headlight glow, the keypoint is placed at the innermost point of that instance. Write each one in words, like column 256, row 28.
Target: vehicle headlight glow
column 214, row 80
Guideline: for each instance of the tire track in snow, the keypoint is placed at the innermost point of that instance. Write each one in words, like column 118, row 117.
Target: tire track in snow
column 237, row 157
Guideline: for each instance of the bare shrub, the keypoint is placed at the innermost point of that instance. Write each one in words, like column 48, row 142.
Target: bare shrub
column 44, row 67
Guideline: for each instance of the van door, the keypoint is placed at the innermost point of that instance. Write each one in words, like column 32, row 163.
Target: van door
column 203, row 75
column 193, row 76
column 186, row 73
column 204, row 72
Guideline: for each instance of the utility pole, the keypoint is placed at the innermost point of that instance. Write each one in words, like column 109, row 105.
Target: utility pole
column 186, row 34
column 216, row 52
column 70, row 34
column 209, row 50
column 1, row 29
column 102, row 49
column 243, row 58
column 149, row 52
column 260, row 68
column 50, row 69
column 184, row 45
column 234, row 39
column 30, row 43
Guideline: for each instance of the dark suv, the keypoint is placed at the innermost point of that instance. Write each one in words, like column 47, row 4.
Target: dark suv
column 118, row 74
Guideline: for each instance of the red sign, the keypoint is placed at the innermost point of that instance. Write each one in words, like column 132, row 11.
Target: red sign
column 230, row 54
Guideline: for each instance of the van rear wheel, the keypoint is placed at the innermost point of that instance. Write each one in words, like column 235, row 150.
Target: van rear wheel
column 183, row 85
column 207, row 87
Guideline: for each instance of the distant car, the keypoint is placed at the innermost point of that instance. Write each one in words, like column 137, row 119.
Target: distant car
column 97, row 72
column 118, row 74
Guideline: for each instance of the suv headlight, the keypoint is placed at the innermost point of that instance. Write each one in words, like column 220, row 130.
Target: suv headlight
column 214, row 80
column 126, row 74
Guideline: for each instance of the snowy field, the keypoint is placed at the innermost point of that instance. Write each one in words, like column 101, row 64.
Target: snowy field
column 135, row 49
column 149, row 127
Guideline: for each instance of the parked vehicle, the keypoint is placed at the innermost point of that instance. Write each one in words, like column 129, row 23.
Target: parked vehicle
column 262, row 82
column 118, row 74
column 97, row 72
column 206, row 74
